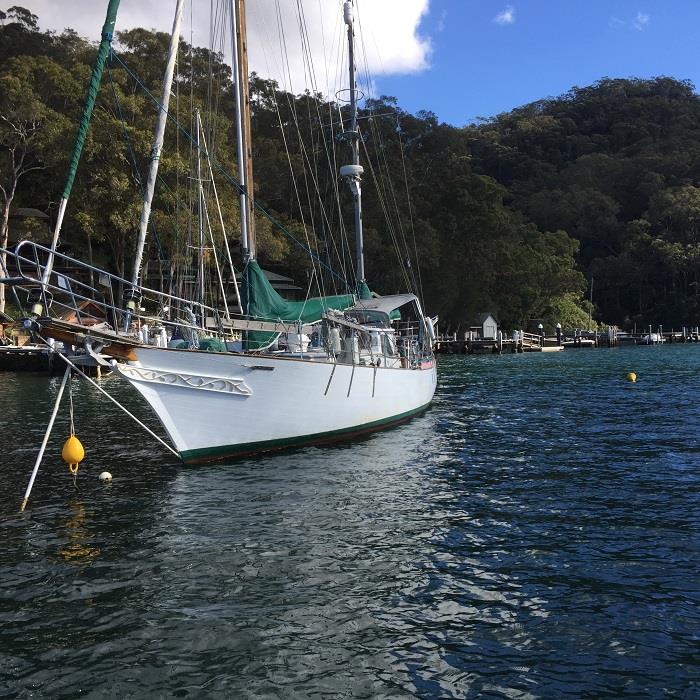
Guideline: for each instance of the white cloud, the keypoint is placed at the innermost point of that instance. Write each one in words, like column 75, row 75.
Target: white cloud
column 442, row 21
column 388, row 41
column 641, row 21
column 387, row 30
column 507, row 16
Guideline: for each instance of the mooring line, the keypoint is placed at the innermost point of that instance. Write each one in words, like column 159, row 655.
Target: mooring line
column 49, row 427
column 114, row 401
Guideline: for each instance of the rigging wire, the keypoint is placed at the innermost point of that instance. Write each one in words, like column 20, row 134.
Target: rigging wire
column 416, row 283
column 309, row 68
column 385, row 210
column 227, row 176
column 309, row 164
column 187, row 264
column 132, row 156
column 409, row 201
column 172, row 288
column 333, row 167
column 312, row 164
column 386, row 184
column 292, row 107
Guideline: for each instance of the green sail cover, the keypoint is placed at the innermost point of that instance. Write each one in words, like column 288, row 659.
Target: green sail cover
column 262, row 303
column 363, row 291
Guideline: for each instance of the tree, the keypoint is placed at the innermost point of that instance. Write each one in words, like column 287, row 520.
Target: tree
column 499, row 216
column 23, row 17
column 28, row 126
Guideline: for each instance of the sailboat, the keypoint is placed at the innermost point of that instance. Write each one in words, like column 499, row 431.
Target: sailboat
column 310, row 372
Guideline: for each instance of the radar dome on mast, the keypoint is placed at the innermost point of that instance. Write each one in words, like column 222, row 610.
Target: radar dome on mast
column 351, row 171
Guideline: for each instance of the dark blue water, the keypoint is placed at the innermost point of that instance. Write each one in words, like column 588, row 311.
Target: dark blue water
column 534, row 535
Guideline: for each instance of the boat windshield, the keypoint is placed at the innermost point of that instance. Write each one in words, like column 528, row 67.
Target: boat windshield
column 368, row 317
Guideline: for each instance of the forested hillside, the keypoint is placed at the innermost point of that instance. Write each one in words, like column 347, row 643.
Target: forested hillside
column 617, row 166
column 513, row 215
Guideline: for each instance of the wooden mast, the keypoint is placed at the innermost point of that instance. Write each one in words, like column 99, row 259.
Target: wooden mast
column 246, row 156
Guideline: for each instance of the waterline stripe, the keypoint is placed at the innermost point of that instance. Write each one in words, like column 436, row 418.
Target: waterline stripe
column 207, row 454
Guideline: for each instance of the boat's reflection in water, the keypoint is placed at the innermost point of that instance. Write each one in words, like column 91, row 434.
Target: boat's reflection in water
column 306, row 557
column 79, row 549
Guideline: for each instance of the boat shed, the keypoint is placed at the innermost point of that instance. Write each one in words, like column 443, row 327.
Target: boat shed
column 86, row 313
column 485, row 326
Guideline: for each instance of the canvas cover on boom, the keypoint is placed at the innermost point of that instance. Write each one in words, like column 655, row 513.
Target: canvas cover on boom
column 261, row 302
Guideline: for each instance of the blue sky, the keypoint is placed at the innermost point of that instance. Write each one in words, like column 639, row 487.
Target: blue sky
column 481, row 67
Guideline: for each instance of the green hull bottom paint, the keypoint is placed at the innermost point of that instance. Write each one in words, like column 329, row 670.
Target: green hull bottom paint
column 211, row 454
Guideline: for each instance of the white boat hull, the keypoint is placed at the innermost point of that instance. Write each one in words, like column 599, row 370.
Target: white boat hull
column 215, row 405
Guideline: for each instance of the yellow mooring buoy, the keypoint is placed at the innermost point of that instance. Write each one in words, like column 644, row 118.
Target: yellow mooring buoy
column 631, row 377
column 73, row 453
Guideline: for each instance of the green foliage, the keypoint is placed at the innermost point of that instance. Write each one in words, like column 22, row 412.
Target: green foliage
column 512, row 215
column 30, row 130
column 571, row 310
column 616, row 165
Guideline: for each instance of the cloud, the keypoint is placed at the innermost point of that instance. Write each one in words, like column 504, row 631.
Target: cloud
column 442, row 21
column 641, row 21
column 388, row 32
column 507, row 16
column 388, row 40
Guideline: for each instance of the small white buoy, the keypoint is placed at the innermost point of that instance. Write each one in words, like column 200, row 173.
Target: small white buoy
column 105, row 477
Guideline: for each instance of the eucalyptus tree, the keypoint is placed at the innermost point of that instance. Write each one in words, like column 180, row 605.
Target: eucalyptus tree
column 29, row 128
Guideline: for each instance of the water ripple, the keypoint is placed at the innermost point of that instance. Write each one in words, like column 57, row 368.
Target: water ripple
column 534, row 535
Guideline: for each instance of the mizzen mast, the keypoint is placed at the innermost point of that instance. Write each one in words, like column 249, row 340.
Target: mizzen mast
column 243, row 135
column 353, row 172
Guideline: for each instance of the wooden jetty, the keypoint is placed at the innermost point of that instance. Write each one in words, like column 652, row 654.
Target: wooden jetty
column 39, row 358
column 615, row 337
column 520, row 341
